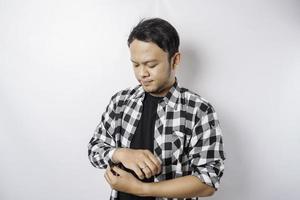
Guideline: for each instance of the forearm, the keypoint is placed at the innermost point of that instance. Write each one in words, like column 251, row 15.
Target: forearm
column 99, row 154
column 181, row 187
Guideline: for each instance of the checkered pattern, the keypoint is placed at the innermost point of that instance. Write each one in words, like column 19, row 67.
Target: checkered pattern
column 187, row 134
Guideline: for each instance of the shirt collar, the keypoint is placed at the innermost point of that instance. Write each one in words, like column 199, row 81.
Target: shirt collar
column 171, row 98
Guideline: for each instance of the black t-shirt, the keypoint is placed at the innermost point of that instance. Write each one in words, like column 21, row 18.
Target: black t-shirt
column 144, row 138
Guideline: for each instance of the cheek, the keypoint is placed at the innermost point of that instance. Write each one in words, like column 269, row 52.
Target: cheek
column 135, row 72
column 155, row 74
column 159, row 72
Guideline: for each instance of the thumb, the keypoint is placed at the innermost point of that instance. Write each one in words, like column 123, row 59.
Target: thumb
column 118, row 170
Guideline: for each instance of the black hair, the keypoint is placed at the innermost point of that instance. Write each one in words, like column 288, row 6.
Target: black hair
column 158, row 31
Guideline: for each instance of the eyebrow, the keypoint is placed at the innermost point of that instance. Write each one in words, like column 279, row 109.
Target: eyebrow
column 154, row 60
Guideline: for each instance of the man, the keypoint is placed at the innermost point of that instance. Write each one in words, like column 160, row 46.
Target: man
column 158, row 140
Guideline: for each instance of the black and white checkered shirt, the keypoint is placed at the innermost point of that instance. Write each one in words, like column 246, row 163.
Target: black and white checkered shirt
column 187, row 134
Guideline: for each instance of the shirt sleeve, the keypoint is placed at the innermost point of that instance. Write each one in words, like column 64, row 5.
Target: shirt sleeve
column 206, row 148
column 102, row 145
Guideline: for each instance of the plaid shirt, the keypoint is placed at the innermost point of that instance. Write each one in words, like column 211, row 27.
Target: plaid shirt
column 187, row 134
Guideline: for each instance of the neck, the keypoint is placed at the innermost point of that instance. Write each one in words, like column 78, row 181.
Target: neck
column 165, row 90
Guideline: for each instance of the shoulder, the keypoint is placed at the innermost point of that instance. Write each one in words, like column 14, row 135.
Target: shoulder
column 201, row 108
column 122, row 95
column 196, row 101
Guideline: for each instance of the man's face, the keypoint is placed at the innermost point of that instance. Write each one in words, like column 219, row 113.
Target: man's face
column 151, row 67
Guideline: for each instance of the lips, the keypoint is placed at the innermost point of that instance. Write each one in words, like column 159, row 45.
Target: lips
column 145, row 82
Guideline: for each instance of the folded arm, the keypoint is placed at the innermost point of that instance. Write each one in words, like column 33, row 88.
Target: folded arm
column 206, row 155
column 181, row 187
column 206, row 160
column 102, row 145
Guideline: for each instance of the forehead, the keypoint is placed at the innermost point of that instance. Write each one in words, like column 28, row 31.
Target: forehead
column 142, row 51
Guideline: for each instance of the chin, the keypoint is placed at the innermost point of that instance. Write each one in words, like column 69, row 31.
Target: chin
column 149, row 89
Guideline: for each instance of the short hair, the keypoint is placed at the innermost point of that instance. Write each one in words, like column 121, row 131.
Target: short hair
column 158, row 31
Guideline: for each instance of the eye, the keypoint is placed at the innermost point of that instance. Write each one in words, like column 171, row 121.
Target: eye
column 152, row 66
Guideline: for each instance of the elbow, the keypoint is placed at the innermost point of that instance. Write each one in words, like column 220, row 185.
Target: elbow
column 98, row 165
column 210, row 192
column 207, row 192
column 96, row 161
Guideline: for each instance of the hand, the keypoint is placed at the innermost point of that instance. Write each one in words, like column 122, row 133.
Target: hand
column 123, row 181
column 142, row 162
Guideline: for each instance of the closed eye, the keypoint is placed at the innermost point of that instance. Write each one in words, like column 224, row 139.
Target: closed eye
column 151, row 66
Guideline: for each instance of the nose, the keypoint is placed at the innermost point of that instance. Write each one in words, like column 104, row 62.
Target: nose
column 143, row 71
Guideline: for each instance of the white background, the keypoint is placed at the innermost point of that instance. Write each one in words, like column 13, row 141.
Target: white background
column 62, row 60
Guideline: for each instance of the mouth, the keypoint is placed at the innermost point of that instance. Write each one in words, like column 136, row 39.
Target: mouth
column 145, row 82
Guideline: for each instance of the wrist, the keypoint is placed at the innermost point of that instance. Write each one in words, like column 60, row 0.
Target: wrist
column 115, row 156
column 145, row 189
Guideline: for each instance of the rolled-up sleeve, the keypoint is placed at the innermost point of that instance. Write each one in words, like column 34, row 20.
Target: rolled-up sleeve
column 102, row 144
column 206, row 155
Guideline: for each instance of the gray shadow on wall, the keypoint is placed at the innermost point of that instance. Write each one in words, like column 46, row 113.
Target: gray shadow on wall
column 189, row 71
column 192, row 74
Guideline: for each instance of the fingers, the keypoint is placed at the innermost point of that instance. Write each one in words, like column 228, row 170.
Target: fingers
column 138, row 172
column 148, row 168
column 155, row 161
column 151, row 166
column 107, row 178
column 147, row 171
column 137, row 160
column 118, row 170
column 108, row 175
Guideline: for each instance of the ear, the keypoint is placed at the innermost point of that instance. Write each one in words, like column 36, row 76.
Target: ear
column 176, row 60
